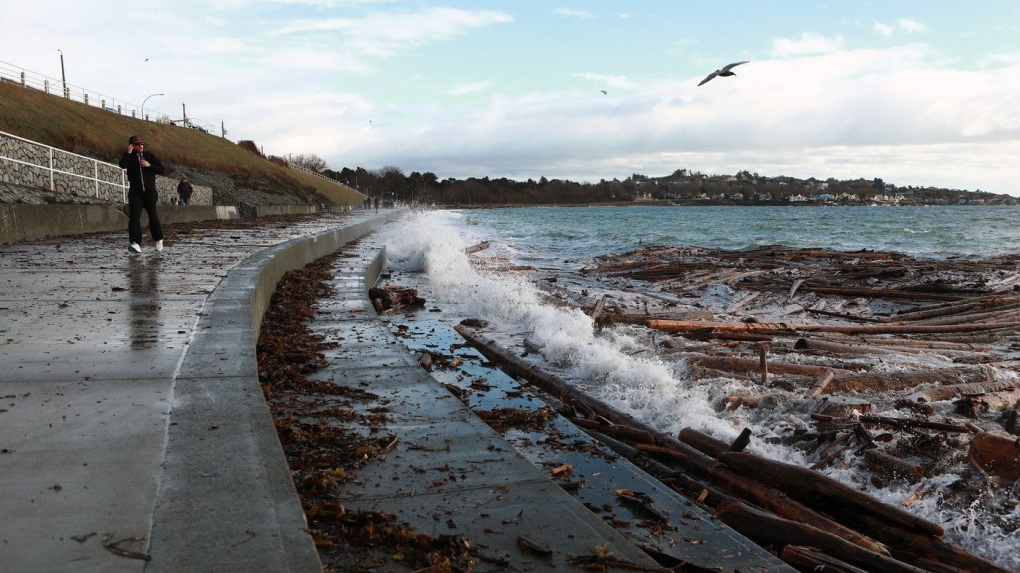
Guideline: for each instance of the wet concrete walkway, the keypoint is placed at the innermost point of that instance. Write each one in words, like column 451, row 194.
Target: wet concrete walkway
column 128, row 396
column 134, row 435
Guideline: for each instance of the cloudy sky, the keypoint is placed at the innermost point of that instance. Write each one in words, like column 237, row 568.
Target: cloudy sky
column 914, row 92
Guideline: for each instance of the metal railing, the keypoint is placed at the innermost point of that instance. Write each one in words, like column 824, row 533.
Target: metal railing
column 321, row 176
column 53, row 171
column 27, row 79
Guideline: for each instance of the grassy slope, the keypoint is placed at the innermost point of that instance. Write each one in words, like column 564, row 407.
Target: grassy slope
column 92, row 131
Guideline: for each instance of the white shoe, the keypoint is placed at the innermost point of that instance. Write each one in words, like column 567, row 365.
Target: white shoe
column 134, row 248
column 159, row 245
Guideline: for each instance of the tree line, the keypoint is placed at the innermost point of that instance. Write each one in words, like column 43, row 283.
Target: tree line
column 391, row 184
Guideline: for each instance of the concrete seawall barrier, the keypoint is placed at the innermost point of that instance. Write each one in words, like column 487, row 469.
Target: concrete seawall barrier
column 33, row 222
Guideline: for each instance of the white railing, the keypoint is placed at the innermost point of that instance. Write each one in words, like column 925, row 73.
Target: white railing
column 52, row 86
column 53, row 171
column 321, row 176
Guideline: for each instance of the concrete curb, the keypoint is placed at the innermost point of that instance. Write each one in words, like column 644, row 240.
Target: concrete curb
column 33, row 222
column 226, row 498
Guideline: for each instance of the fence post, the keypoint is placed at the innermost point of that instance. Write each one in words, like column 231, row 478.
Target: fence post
column 95, row 171
column 86, row 96
column 118, row 110
column 46, row 86
column 23, row 80
column 53, row 184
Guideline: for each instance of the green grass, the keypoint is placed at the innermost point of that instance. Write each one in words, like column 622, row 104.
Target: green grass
column 95, row 132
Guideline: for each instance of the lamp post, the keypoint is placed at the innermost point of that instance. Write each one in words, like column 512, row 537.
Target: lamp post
column 63, row 78
column 145, row 100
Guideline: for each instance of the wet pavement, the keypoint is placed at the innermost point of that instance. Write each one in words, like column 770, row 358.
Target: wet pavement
column 134, row 435
column 92, row 343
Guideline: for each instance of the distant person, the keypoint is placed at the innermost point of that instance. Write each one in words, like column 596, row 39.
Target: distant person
column 376, row 201
column 184, row 190
column 142, row 168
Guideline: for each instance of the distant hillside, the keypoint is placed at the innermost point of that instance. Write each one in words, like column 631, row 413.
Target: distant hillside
column 235, row 174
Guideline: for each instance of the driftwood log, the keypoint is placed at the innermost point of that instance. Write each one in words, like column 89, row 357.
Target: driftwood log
column 999, row 455
column 812, row 487
column 766, row 529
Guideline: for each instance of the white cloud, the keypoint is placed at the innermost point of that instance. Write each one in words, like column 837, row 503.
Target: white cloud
column 605, row 80
column 807, row 44
column 901, row 24
column 385, row 35
column 470, row 88
column 569, row 13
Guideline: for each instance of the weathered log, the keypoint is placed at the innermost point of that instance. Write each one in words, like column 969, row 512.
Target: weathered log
column 793, row 290
column 887, row 381
column 754, row 491
column 763, row 363
column 741, row 365
column 956, row 308
column 475, row 248
column 870, row 348
column 922, row 545
column 999, row 455
column 735, row 401
column 1001, row 314
column 891, row 467
column 767, row 529
column 843, row 315
column 973, row 406
column 912, row 423
column 619, row 431
column 741, row 441
column 811, row 559
column 884, row 293
column 813, row 488
column 596, row 312
column 702, row 442
column 837, row 348
column 822, row 384
column 951, row 391
column 682, row 325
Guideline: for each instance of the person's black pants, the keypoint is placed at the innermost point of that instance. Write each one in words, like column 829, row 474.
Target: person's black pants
column 137, row 202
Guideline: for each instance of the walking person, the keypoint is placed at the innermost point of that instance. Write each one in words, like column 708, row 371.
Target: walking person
column 142, row 168
column 376, row 200
column 184, row 190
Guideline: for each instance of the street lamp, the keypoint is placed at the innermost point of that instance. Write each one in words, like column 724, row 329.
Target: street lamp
column 145, row 100
column 63, row 78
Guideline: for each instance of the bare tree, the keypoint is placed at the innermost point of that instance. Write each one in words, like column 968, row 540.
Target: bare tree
column 309, row 161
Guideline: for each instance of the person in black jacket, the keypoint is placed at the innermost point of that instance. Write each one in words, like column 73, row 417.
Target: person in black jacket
column 184, row 189
column 142, row 168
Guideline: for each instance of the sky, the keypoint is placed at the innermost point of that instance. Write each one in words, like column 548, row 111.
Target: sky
column 923, row 93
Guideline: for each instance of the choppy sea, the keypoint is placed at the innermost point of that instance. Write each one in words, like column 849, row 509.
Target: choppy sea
column 615, row 366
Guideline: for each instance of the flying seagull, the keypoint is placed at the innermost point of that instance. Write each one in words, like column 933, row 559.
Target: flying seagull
column 723, row 72
column 604, row 92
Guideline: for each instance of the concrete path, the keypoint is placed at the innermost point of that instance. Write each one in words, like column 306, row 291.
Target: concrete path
column 94, row 345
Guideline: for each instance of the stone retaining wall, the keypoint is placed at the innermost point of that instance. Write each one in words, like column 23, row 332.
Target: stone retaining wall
column 81, row 176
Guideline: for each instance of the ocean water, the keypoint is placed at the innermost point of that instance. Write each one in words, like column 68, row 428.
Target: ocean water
column 617, row 365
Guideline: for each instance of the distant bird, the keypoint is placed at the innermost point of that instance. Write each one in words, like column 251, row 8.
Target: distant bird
column 604, row 92
column 723, row 72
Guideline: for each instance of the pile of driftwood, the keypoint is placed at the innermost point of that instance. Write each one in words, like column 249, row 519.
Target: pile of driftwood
column 392, row 297
column 848, row 334
column 806, row 518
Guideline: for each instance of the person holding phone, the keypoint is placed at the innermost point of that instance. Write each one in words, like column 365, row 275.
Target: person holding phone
column 142, row 168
